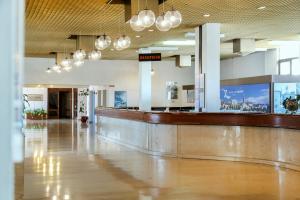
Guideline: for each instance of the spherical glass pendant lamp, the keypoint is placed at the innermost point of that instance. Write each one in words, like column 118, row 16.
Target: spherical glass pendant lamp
column 124, row 42
column 103, row 42
column 147, row 17
column 67, row 68
column 162, row 23
column 79, row 55
column 66, row 63
column 78, row 63
column 117, row 44
column 94, row 55
column 56, row 67
column 136, row 23
column 174, row 16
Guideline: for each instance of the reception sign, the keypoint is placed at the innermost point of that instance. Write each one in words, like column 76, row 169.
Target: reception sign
column 246, row 98
column 148, row 57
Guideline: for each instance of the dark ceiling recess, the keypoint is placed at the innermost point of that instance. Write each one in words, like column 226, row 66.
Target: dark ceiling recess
column 161, row 1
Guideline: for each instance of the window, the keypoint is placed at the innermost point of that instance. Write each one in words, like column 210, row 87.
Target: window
column 285, row 68
column 289, row 63
column 296, row 66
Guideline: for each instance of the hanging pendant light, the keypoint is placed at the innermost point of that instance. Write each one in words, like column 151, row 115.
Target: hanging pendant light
column 56, row 68
column 103, row 42
column 78, row 63
column 79, row 55
column 117, row 45
column 162, row 23
column 136, row 23
column 94, row 55
column 67, row 68
column 147, row 17
column 124, row 42
column 174, row 16
column 66, row 63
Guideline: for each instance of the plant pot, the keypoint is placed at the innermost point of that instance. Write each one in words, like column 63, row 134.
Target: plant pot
column 36, row 117
column 84, row 119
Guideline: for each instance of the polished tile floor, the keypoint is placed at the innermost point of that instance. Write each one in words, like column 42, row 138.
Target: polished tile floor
column 66, row 161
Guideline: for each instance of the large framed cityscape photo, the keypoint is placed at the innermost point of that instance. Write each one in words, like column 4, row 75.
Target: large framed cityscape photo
column 246, row 98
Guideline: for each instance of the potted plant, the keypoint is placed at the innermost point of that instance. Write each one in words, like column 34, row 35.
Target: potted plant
column 291, row 105
column 82, row 105
column 36, row 114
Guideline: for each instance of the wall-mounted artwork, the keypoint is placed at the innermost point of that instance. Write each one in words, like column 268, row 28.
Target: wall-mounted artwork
column 246, row 98
column 120, row 99
column 34, row 97
column 190, row 95
column 283, row 91
column 172, row 90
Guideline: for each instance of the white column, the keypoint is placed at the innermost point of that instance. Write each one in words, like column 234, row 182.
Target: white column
column 11, row 56
column 207, row 68
column 145, row 83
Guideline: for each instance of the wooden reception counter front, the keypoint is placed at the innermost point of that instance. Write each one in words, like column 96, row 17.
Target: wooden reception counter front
column 258, row 138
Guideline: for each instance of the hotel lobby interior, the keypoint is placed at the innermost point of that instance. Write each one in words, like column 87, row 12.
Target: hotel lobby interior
column 150, row 100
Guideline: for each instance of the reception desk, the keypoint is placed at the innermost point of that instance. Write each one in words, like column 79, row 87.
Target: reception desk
column 257, row 138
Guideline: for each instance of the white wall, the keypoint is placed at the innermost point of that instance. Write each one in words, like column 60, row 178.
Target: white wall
column 123, row 74
column 256, row 64
column 166, row 71
column 37, row 104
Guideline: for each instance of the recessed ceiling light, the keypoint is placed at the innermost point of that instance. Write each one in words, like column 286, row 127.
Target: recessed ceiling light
column 206, row 15
column 261, row 7
column 150, row 30
column 137, row 36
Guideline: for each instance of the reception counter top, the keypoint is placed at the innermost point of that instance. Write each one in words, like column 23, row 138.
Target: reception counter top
column 245, row 137
column 191, row 118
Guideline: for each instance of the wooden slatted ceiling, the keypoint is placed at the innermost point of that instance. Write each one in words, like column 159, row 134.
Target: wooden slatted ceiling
column 50, row 22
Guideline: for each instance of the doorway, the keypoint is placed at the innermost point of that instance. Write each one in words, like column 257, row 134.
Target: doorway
column 62, row 103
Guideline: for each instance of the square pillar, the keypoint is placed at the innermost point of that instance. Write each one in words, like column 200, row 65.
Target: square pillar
column 207, row 68
column 11, row 56
column 145, row 82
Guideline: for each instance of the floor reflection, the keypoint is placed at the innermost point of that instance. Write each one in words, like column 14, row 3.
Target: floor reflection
column 65, row 160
